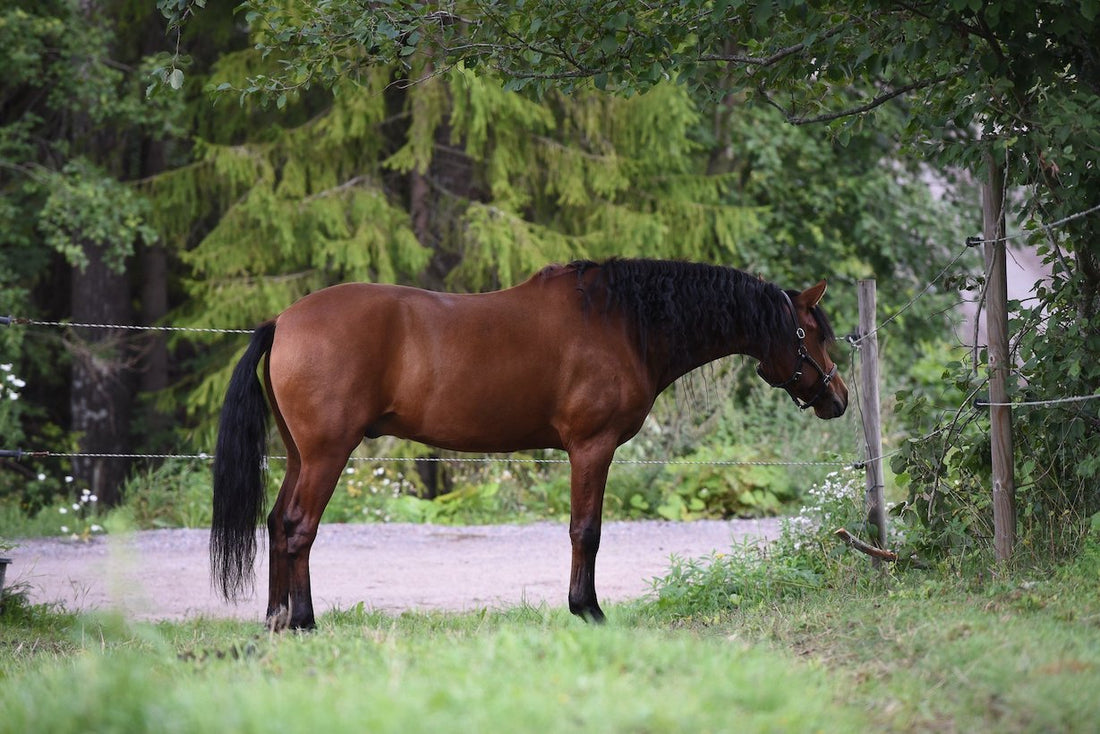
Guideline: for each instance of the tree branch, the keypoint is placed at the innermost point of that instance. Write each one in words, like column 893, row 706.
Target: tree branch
column 864, row 547
column 775, row 57
column 876, row 102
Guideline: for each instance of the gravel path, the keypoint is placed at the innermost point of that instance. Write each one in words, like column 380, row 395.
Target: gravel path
column 163, row 574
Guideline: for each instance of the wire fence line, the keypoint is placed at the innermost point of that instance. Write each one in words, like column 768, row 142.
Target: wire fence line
column 971, row 242
column 20, row 453
column 857, row 340
column 1034, row 403
column 18, row 320
column 1047, row 227
column 202, row 456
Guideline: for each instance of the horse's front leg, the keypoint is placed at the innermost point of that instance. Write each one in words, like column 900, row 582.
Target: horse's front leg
column 589, row 466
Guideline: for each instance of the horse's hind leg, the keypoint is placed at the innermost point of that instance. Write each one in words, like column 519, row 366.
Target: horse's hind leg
column 301, row 515
column 310, row 480
column 278, row 590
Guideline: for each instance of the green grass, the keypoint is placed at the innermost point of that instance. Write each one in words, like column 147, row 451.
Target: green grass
column 799, row 635
column 910, row 651
column 525, row 671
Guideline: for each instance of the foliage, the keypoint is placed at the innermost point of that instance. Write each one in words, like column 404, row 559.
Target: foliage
column 804, row 559
column 63, row 92
column 380, row 494
column 175, row 494
column 702, row 587
column 73, row 127
column 956, row 83
column 85, row 208
column 946, row 470
column 11, row 385
column 422, row 147
column 76, row 516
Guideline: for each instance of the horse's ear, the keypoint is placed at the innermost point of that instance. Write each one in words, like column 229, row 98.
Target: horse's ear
column 812, row 295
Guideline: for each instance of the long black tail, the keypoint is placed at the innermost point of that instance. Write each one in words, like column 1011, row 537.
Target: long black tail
column 239, row 472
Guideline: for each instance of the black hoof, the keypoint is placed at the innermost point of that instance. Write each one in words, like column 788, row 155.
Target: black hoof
column 305, row 625
column 592, row 613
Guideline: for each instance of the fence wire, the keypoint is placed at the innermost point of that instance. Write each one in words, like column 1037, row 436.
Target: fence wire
column 1046, row 227
column 1034, row 403
column 856, row 339
column 18, row 320
column 20, row 453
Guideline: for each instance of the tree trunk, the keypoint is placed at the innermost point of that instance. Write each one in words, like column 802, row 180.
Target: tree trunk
column 101, row 391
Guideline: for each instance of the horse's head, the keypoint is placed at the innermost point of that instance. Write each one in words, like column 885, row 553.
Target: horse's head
column 801, row 364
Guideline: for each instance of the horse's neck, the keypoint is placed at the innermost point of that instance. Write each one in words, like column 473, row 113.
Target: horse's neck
column 670, row 367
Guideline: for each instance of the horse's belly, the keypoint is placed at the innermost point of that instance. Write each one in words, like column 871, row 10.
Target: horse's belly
column 458, row 429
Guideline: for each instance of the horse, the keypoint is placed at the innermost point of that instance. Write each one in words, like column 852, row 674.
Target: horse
column 571, row 359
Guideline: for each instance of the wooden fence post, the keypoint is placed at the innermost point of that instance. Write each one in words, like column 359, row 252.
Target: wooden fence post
column 1000, row 415
column 869, row 404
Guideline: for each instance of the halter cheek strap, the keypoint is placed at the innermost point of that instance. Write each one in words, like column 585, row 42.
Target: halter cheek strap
column 803, row 357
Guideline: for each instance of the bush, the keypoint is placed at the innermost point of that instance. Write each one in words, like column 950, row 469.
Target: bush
column 805, row 557
column 175, row 494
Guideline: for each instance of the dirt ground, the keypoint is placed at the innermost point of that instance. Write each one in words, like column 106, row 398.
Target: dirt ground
column 163, row 574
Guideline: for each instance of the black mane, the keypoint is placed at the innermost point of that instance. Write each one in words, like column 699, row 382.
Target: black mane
column 683, row 302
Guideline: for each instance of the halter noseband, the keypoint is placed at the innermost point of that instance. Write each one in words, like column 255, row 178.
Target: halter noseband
column 803, row 357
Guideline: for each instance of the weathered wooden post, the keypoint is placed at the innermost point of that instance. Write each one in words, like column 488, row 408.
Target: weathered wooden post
column 1000, row 414
column 869, row 404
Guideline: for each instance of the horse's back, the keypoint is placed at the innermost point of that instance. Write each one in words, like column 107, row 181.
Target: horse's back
column 414, row 326
column 483, row 372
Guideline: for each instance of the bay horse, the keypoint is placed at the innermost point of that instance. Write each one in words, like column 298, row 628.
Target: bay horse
column 571, row 359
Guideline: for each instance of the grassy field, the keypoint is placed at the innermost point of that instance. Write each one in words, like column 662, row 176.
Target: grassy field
column 911, row 651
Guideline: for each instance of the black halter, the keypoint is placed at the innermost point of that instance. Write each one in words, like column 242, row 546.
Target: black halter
column 803, row 357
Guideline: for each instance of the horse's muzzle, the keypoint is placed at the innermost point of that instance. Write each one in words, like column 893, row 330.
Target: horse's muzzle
column 835, row 403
